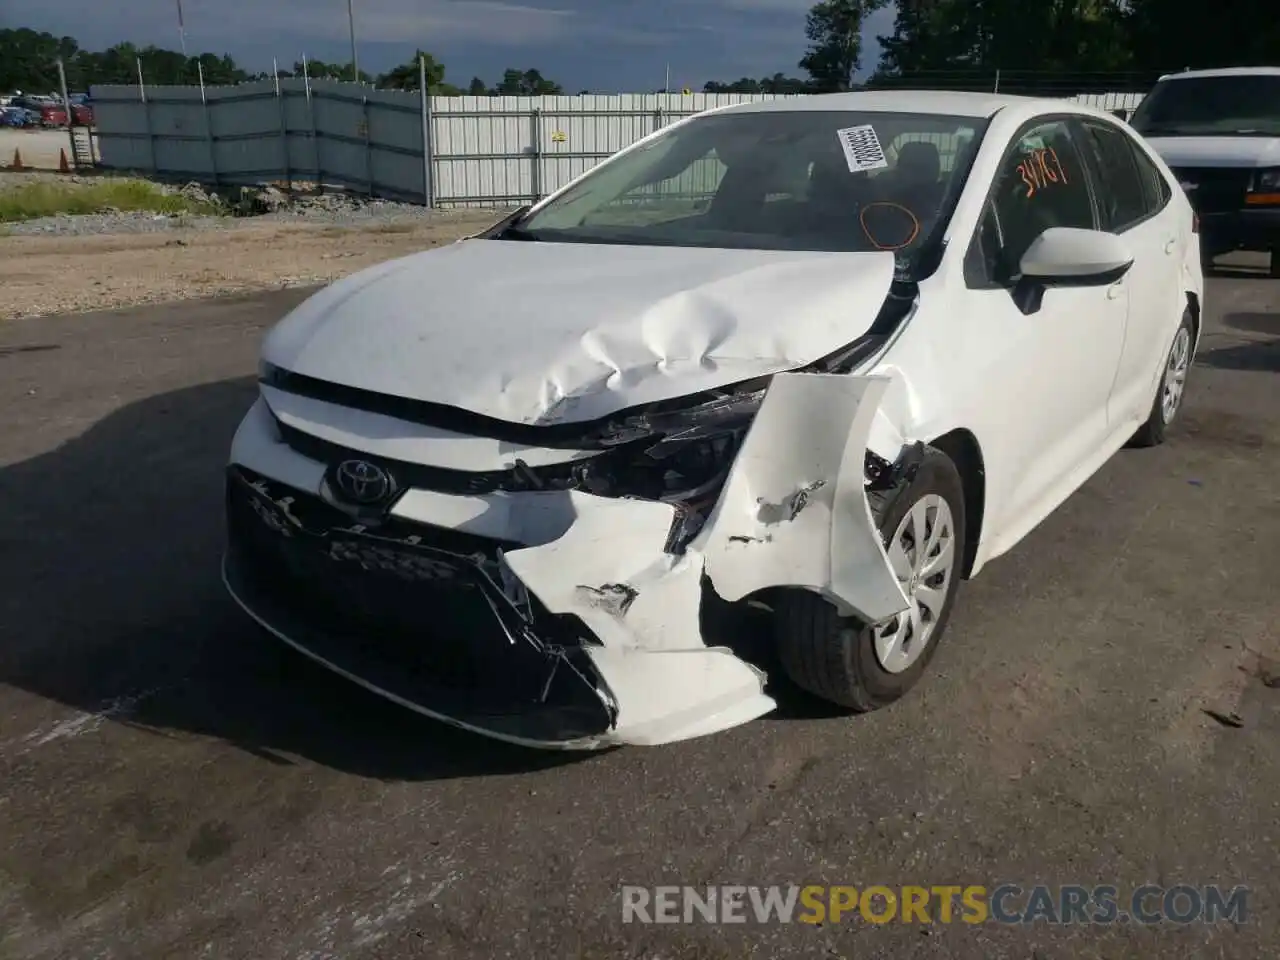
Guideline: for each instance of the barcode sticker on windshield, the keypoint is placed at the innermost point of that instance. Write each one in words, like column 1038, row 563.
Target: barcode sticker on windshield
column 862, row 148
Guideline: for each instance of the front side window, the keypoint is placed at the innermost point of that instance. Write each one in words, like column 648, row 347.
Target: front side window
column 1122, row 198
column 1242, row 105
column 1041, row 184
column 774, row 180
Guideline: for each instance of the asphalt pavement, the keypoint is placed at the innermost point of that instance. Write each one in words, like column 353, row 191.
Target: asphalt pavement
column 175, row 784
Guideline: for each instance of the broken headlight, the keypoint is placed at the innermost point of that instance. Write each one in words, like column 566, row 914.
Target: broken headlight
column 683, row 457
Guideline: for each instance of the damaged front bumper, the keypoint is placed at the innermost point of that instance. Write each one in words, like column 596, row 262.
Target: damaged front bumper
column 560, row 618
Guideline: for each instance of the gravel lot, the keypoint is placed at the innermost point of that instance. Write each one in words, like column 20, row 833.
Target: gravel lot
column 113, row 260
column 39, row 147
column 174, row 784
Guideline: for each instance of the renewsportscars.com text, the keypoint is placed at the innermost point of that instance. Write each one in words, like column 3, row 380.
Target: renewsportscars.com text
column 1006, row 903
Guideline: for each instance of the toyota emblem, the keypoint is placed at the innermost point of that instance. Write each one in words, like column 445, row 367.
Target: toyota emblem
column 363, row 482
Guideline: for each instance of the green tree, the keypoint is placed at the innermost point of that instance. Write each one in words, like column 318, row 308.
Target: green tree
column 320, row 70
column 1165, row 36
column 29, row 60
column 834, row 31
column 745, row 85
column 477, row 88
column 406, row 75
column 526, row 83
column 1014, row 36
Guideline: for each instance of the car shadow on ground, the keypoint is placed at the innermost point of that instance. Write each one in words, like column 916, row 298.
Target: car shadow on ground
column 1261, row 356
column 110, row 548
column 110, row 551
column 1238, row 271
column 1266, row 323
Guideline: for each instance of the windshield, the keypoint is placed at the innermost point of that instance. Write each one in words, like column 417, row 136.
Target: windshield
column 788, row 180
column 1211, row 106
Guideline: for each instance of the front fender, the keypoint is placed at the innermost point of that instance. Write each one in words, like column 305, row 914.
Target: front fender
column 794, row 510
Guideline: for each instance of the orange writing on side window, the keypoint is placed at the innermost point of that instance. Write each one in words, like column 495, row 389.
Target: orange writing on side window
column 1041, row 169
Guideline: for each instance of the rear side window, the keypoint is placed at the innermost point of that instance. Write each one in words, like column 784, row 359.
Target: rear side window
column 1121, row 193
column 1155, row 187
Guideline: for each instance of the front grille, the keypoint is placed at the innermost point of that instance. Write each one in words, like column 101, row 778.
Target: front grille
column 409, row 594
column 560, row 476
column 1217, row 189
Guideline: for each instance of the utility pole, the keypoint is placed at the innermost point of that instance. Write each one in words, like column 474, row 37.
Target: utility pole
column 182, row 30
column 351, row 22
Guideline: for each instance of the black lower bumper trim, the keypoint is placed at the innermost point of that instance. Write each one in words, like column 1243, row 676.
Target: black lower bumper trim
column 443, row 645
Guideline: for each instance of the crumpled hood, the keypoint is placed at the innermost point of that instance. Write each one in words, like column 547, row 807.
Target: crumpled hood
column 1249, row 152
column 552, row 333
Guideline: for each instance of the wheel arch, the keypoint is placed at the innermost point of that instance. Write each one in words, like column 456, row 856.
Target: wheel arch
column 966, row 453
column 1193, row 304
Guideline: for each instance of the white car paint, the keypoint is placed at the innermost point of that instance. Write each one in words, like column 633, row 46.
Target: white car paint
column 539, row 334
column 562, row 333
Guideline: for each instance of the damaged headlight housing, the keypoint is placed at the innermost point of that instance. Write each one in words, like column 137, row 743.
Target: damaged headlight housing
column 681, row 457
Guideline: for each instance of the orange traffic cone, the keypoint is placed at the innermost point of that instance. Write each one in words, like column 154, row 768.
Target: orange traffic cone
column 63, row 166
column 17, row 159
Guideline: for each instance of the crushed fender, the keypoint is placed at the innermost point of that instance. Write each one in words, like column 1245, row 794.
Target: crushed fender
column 788, row 509
column 613, row 598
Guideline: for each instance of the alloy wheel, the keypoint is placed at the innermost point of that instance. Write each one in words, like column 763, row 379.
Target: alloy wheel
column 922, row 554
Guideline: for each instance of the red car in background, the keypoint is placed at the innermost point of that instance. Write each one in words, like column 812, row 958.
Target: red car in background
column 53, row 115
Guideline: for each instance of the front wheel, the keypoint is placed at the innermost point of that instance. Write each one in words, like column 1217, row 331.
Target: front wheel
column 866, row 666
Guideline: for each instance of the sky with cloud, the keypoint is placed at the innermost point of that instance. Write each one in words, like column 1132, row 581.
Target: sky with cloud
column 601, row 45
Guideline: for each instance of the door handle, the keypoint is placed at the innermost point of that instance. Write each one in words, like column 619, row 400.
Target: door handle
column 1113, row 291
column 1169, row 245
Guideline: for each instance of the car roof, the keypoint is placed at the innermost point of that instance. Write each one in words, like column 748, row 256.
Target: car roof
column 942, row 102
column 1224, row 72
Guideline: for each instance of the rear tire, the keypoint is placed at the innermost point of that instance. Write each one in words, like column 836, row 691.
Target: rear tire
column 851, row 663
column 1170, row 392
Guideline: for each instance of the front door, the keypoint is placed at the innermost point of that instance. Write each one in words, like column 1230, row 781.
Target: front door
column 1052, row 362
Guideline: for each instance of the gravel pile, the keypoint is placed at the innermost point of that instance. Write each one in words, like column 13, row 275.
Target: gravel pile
column 100, row 223
column 243, row 205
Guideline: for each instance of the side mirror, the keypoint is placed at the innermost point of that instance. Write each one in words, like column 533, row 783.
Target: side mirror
column 1069, row 256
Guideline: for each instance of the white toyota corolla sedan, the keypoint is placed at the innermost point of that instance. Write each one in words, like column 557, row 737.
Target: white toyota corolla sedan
column 824, row 356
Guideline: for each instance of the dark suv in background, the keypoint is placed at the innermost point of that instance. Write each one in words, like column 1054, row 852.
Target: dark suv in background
column 1220, row 132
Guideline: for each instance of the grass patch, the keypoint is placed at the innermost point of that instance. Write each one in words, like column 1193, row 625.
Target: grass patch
column 50, row 199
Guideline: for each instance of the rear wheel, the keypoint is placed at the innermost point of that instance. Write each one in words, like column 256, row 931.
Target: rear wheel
column 1173, row 381
column 865, row 666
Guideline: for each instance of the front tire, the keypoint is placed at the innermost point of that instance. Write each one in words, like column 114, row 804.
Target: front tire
column 1173, row 381
column 867, row 666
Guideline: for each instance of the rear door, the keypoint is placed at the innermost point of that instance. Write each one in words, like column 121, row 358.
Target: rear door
column 1134, row 203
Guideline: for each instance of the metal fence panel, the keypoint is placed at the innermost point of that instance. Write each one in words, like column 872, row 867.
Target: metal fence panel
column 482, row 151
